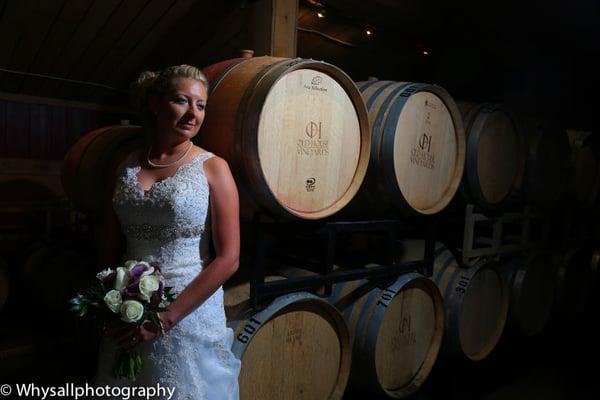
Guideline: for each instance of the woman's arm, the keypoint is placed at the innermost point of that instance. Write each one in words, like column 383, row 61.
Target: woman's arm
column 224, row 206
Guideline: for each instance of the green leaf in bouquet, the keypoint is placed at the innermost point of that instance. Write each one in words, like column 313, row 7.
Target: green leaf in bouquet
column 167, row 292
column 79, row 305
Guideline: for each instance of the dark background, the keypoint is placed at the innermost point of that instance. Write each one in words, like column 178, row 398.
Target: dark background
column 77, row 57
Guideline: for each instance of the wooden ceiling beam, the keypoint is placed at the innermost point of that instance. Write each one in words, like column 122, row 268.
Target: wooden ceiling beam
column 272, row 27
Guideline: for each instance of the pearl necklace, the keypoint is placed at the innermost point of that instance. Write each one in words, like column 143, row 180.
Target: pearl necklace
column 169, row 164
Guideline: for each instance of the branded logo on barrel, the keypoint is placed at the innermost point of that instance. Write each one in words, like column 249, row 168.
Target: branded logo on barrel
column 407, row 336
column 315, row 84
column 421, row 154
column 425, row 142
column 310, row 184
column 313, row 143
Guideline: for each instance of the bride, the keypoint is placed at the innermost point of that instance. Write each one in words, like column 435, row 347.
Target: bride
column 169, row 198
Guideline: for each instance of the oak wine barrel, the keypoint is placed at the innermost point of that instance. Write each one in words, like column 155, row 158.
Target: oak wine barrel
column 573, row 278
column 531, row 284
column 295, row 133
column 396, row 332
column 298, row 347
column 475, row 300
column 495, row 155
column 594, row 286
column 54, row 273
column 548, row 166
column 417, row 148
column 90, row 163
column 476, row 304
column 586, row 164
column 41, row 176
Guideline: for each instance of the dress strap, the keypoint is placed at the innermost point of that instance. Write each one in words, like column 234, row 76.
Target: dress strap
column 205, row 156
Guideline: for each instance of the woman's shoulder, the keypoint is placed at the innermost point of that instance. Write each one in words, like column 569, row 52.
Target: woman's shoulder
column 215, row 167
column 210, row 159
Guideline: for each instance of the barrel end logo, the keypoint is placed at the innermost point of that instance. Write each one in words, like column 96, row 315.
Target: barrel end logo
column 310, row 184
column 421, row 154
column 315, row 84
column 315, row 145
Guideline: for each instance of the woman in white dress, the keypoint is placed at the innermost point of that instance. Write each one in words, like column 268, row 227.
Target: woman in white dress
column 169, row 199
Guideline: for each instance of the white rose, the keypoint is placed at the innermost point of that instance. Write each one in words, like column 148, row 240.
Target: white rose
column 113, row 300
column 131, row 311
column 149, row 271
column 122, row 278
column 130, row 263
column 102, row 275
column 148, row 285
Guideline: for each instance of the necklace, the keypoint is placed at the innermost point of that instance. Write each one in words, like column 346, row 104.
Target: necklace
column 171, row 163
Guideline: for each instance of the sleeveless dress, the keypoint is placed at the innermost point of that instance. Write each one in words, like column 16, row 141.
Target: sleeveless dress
column 166, row 224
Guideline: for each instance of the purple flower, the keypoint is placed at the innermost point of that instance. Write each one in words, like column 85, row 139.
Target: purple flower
column 132, row 290
column 137, row 271
column 157, row 296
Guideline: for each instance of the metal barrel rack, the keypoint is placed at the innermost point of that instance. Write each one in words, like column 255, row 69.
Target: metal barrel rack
column 497, row 235
column 266, row 235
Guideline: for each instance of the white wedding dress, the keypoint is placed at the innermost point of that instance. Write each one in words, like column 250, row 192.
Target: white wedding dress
column 167, row 224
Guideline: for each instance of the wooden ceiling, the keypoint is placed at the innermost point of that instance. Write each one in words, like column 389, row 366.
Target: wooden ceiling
column 89, row 50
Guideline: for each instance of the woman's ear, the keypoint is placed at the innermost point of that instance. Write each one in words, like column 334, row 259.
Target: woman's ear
column 153, row 103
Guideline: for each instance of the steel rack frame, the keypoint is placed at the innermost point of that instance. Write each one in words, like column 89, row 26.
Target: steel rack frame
column 266, row 233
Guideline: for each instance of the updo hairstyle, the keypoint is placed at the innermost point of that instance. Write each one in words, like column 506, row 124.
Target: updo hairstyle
column 157, row 83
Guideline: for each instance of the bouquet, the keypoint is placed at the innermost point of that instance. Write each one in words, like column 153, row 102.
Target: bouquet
column 133, row 293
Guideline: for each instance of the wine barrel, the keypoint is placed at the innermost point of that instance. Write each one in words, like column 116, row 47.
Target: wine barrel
column 531, row 284
column 594, row 287
column 4, row 283
column 297, row 347
column 53, row 273
column 586, row 164
column 548, row 165
column 476, row 305
column 417, row 148
column 573, row 278
column 396, row 332
column 295, row 133
column 40, row 180
column 90, row 163
column 495, row 155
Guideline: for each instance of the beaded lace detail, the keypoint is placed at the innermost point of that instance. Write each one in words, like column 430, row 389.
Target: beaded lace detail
column 160, row 232
column 166, row 224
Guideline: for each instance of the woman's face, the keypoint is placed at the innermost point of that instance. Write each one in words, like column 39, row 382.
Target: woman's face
column 181, row 110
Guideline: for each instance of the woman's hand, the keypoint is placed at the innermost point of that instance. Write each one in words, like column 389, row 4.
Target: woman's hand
column 128, row 336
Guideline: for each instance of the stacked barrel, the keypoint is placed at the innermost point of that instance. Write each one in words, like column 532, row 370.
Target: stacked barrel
column 90, row 164
column 396, row 332
column 305, row 142
column 417, row 147
column 495, row 155
column 299, row 344
column 295, row 133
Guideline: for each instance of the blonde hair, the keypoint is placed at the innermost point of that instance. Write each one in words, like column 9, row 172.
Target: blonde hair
column 158, row 82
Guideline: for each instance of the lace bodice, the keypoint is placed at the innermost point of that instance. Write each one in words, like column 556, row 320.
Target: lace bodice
column 167, row 222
